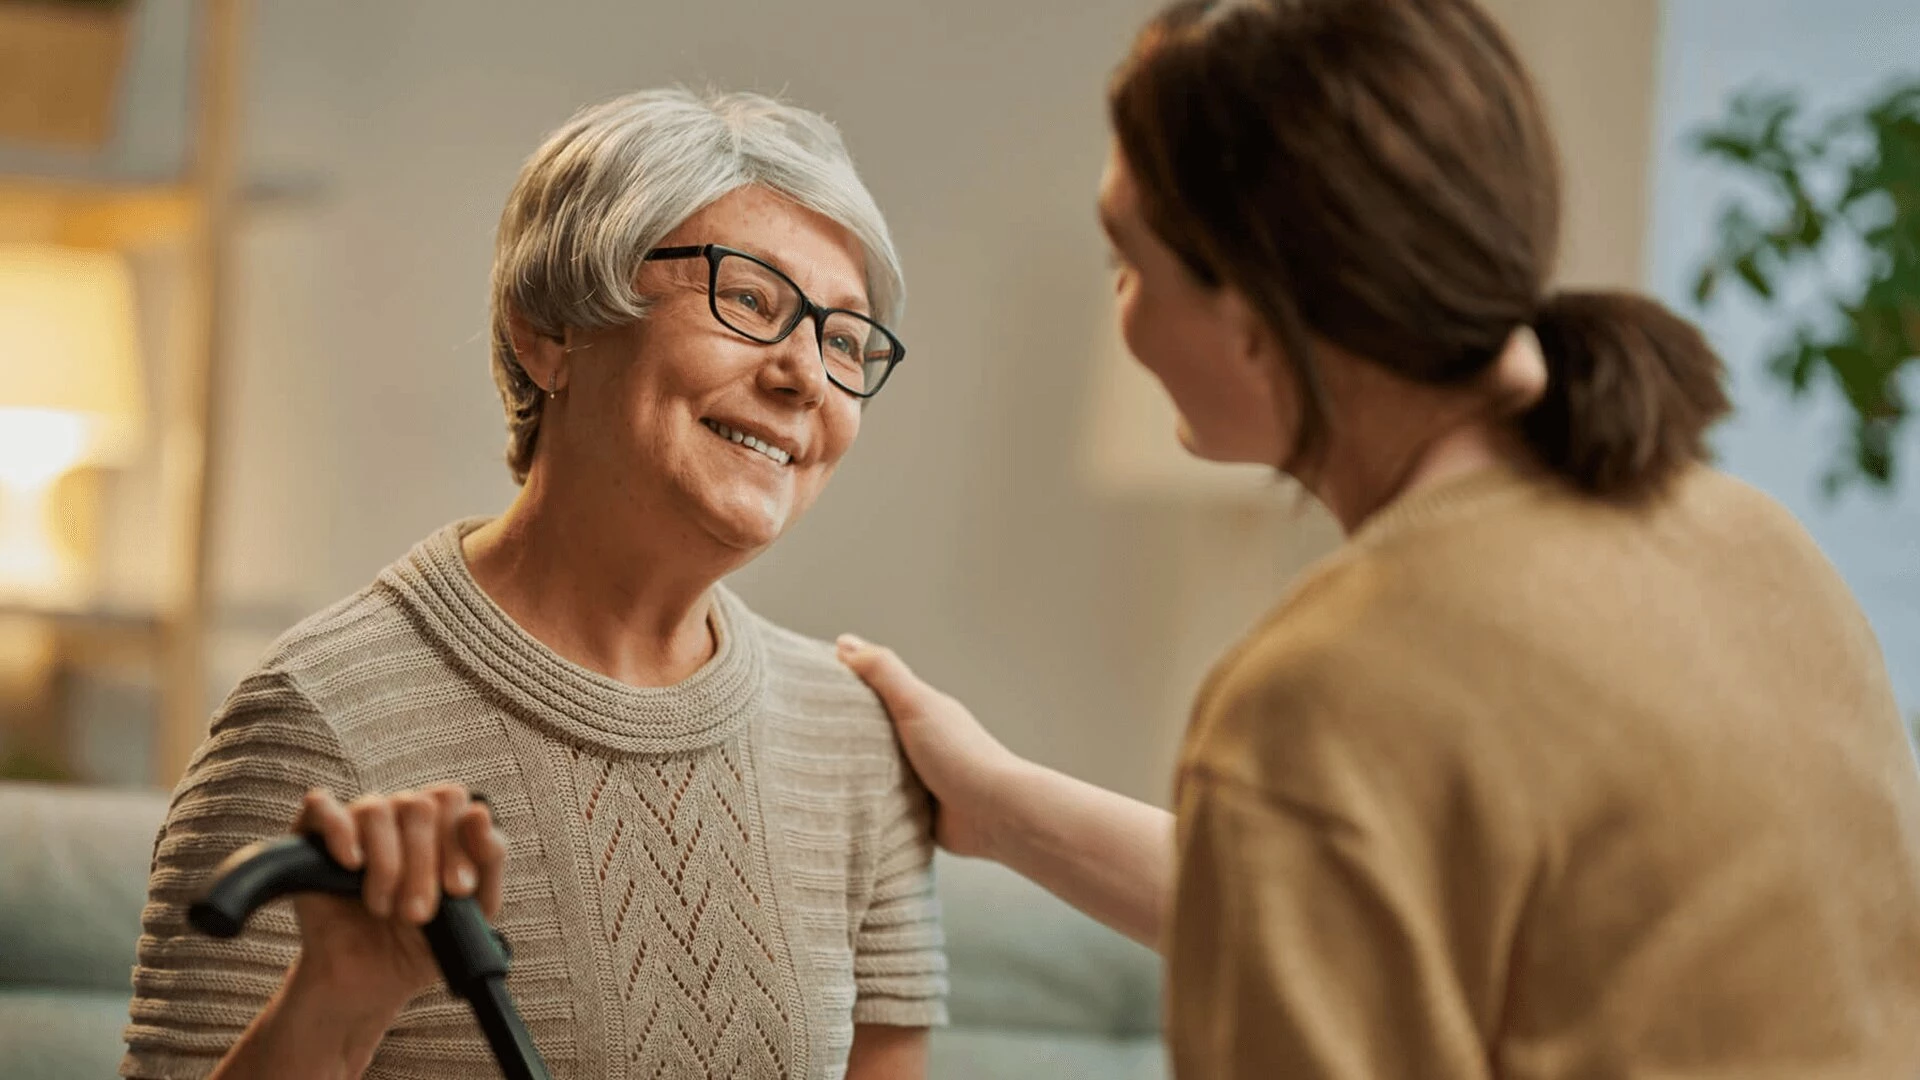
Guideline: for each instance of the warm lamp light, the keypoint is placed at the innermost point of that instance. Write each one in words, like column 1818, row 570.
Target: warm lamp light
column 70, row 395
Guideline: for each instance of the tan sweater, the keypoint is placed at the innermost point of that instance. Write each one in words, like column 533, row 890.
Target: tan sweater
column 1521, row 785
column 716, row 879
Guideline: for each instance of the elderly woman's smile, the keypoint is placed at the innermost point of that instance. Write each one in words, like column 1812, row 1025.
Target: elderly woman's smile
column 765, row 447
column 726, row 407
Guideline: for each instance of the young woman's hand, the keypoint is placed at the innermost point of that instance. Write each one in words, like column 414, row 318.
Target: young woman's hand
column 964, row 767
column 1106, row 854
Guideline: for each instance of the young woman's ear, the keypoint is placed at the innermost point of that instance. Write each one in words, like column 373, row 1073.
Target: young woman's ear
column 1254, row 342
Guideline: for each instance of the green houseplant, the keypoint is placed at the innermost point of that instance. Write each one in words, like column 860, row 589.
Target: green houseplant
column 1823, row 192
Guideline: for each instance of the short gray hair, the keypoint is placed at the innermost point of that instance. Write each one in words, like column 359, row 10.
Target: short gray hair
column 613, row 181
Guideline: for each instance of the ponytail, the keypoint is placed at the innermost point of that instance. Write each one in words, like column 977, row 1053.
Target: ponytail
column 1331, row 161
column 1631, row 391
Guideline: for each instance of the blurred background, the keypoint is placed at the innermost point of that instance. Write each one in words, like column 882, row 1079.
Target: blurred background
column 244, row 247
column 250, row 240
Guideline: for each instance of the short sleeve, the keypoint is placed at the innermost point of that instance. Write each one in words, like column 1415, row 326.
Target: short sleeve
column 194, row 995
column 899, row 956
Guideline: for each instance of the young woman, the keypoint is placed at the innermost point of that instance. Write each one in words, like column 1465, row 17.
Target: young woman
column 1577, row 759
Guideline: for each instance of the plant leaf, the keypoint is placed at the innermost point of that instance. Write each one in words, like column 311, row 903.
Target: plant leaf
column 1748, row 267
column 1724, row 144
column 1705, row 286
column 1873, row 452
column 1841, row 190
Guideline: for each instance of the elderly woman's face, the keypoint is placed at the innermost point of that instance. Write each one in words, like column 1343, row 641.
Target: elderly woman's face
column 653, row 402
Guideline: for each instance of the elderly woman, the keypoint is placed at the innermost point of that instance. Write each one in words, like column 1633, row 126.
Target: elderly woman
column 697, row 832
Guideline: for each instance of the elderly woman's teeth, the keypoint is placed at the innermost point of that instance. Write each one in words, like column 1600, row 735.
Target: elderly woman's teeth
column 748, row 441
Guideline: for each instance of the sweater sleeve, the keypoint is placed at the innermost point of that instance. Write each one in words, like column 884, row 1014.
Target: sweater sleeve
column 899, row 953
column 1302, row 948
column 194, row 995
column 1354, row 860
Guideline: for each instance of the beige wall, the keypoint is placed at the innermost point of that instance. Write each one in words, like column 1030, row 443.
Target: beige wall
column 1596, row 65
column 961, row 530
column 957, row 530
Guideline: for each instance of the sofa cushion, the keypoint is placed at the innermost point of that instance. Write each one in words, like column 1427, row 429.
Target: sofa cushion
column 974, row 1054
column 1038, row 989
column 1022, row 960
column 73, row 878
column 61, row 1034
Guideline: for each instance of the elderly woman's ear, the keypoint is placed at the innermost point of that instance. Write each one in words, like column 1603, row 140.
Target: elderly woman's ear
column 542, row 356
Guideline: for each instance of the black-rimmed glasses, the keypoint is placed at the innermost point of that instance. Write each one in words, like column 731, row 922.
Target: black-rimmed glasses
column 755, row 300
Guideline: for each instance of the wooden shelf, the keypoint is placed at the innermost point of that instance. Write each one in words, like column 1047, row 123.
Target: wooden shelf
column 125, row 215
column 95, row 635
column 195, row 215
column 83, row 214
column 137, row 631
column 105, row 619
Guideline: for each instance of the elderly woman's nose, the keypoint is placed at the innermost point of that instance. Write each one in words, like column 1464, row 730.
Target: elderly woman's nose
column 794, row 366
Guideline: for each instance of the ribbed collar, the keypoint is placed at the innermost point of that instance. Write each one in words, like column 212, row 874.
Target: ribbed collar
column 715, row 703
column 1467, row 494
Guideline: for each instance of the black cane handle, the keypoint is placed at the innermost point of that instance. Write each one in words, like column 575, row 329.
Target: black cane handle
column 472, row 955
column 261, row 873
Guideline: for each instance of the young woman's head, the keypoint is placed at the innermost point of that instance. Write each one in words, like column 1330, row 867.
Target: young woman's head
column 1336, row 221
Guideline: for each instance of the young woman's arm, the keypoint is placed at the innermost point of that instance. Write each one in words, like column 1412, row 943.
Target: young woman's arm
column 1110, row 856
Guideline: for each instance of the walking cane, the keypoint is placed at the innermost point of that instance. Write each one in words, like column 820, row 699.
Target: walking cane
column 471, row 953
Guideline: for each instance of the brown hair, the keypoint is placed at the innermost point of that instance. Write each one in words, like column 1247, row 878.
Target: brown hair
column 1379, row 174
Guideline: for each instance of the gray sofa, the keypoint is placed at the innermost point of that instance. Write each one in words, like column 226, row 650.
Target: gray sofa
column 1038, row 990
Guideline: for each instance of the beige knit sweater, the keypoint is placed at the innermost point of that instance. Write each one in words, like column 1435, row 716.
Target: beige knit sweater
column 715, row 879
column 1524, row 785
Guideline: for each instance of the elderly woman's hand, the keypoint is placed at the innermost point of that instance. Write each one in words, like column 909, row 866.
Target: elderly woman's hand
column 964, row 767
column 413, row 846
column 361, row 960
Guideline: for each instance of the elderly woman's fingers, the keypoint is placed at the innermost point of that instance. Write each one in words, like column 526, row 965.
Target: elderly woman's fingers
column 418, row 816
column 322, row 815
column 457, row 874
column 412, row 847
column 380, row 840
column 488, row 849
